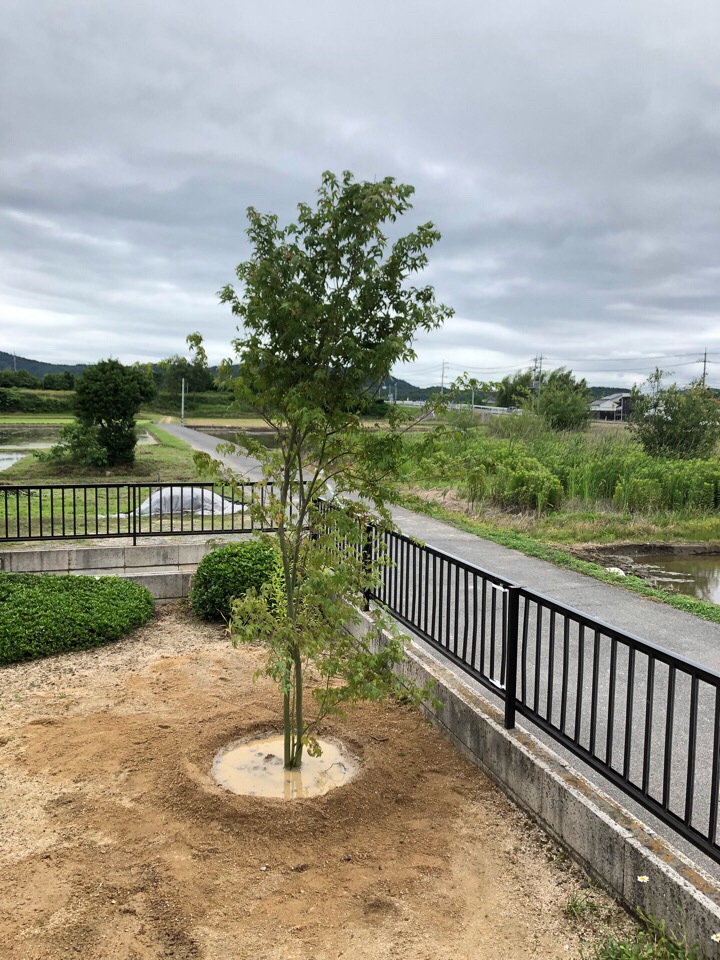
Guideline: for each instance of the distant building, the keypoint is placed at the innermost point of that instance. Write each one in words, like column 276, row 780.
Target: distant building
column 616, row 406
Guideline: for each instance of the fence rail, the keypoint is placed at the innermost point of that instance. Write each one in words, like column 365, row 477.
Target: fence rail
column 645, row 718
column 112, row 510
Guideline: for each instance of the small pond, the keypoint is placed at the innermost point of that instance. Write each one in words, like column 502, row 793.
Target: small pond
column 697, row 575
column 689, row 568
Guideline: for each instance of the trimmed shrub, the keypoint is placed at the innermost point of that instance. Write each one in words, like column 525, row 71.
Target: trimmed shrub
column 229, row 572
column 44, row 614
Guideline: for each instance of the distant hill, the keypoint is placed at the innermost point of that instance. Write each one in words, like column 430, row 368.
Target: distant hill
column 38, row 368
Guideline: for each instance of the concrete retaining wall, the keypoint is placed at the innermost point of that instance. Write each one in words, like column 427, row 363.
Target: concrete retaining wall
column 612, row 846
column 164, row 568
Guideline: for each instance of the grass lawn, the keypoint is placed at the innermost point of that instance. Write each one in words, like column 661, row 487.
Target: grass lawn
column 169, row 460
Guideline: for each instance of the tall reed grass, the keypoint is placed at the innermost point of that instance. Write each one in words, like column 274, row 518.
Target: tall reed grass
column 517, row 463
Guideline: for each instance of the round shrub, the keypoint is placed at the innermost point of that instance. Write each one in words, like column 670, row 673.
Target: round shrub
column 229, row 572
column 44, row 614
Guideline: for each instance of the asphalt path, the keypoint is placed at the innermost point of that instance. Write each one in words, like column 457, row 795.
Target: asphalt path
column 681, row 633
column 248, row 467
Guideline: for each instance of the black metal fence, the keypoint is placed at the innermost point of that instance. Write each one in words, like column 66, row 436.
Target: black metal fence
column 112, row 510
column 646, row 719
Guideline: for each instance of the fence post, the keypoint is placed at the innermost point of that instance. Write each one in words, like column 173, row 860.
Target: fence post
column 367, row 554
column 134, row 514
column 511, row 655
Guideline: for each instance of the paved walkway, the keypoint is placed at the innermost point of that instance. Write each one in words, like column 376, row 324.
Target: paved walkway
column 680, row 632
column 247, row 466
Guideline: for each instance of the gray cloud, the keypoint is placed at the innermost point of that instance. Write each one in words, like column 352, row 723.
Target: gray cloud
column 568, row 154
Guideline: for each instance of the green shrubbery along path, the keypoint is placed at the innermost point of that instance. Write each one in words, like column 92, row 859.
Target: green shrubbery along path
column 44, row 614
column 516, row 463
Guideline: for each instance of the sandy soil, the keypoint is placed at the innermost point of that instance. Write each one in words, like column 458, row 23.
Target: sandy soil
column 117, row 845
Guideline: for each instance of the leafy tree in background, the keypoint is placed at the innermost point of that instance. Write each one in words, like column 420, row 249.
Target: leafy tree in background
column 326, row 308
column 19, row 378
column 675, row 423
column 172, row 371
column 514, row 391
column 564, row 402
column 107, row 397
column 58, row 381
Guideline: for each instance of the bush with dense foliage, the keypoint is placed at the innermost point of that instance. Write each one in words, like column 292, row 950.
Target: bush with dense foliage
column 518, row 463
column 564, row 402
column 78, row 444
column 45, row 614
column 674, row 423
column 229, row 572
column 107, row 397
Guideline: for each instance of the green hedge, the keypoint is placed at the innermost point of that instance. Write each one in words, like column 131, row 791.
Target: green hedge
column 229, row 572
column 44, row 614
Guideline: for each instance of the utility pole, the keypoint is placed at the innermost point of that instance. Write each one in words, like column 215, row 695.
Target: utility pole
column 182, row 403
column 442, row 379
column 704, row 366
column 537, row 376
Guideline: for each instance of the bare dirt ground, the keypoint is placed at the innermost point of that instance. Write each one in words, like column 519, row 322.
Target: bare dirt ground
column 116, row 844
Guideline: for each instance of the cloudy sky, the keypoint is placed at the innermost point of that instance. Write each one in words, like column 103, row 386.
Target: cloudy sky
column 568, row 152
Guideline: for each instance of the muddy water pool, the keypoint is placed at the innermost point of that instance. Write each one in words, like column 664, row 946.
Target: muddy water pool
column 697, row 575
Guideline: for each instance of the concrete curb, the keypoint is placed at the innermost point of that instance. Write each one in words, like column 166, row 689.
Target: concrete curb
column 609, row 844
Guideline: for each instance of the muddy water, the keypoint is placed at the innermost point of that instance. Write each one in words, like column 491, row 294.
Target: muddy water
column 255, row 768
column 697, row 575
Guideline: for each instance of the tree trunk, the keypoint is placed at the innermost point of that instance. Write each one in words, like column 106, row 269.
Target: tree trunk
column 297, row 665
column 287, row 729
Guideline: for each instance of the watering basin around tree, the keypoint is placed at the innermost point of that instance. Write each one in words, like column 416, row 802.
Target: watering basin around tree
column 255, row 768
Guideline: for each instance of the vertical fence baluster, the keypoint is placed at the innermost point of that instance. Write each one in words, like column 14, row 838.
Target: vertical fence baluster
column 493, row 617
column 715, row 775
column 511, row 655
column 594, row 690
column 523, row 654
column 692, row 749
column 483, row 628
column 629, row 712
column 647, row 741
column 611, row 703
column 669, row 725
column 538, row 656
column 580, row 682
column 551, row 668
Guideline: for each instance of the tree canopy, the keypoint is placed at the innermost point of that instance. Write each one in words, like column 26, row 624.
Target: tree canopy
column 564, row 402
column 107, row 396
column 675, row 423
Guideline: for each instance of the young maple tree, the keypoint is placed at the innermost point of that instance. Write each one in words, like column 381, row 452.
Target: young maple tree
column 326, row 308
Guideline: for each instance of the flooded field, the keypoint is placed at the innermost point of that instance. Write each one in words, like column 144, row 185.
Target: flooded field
column 19, row 440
